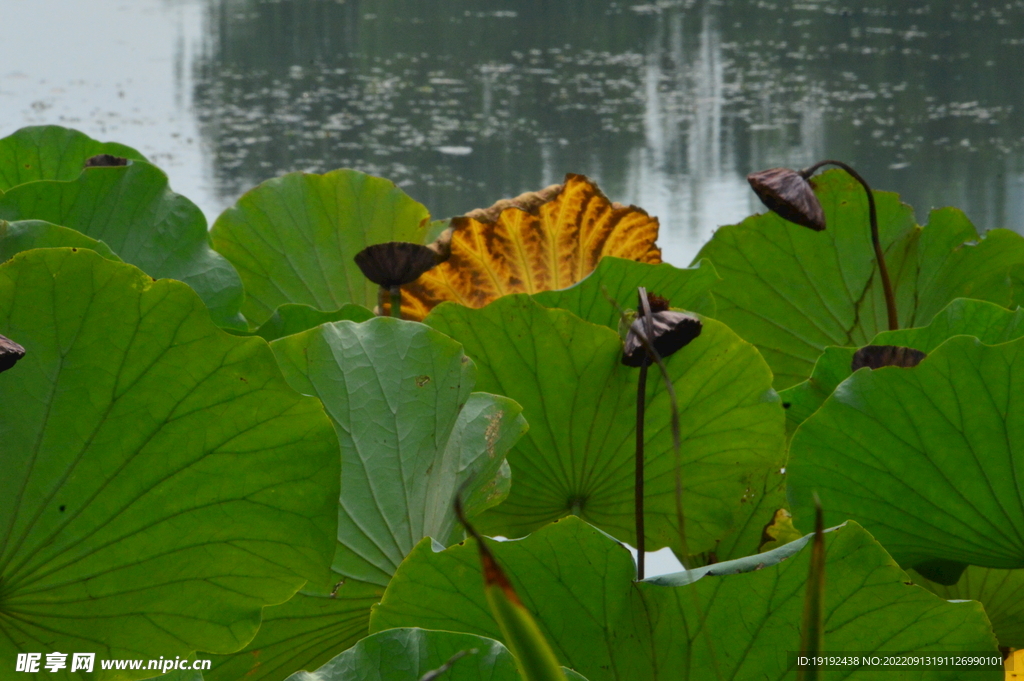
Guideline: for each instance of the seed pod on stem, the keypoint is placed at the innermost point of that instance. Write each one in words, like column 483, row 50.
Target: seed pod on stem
column 657, row 332
column 788, row 194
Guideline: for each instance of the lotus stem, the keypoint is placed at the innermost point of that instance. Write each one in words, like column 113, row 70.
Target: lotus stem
column 890, row 299
column 638, row 485
column 641, row 399
column 396, row 301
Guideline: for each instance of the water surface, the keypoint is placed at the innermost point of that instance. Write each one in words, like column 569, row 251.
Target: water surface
column 668, row 105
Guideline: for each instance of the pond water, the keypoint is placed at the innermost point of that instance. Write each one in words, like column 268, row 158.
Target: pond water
column 668, row 105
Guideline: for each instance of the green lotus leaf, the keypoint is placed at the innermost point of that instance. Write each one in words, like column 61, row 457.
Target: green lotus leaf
column 411, row 433
column 162, row 481
column 411, row 654
column 760, row 502
column 1001, row 591
column 293, row 238
column 292, row 318
column 301, row 634
column 435, row 229
column 927, row 458
column 713, row 623
column 134, row 212
column 990, row 323
column 580, row 401
column 25, row 235
column 618, row 278
column 50, row 152
column 792, row 291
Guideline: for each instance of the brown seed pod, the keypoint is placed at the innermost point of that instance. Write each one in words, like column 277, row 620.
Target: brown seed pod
column 395, row 263
column 672, row 331
column 788, row 194
column 878, row 356
column 10, row 353
column 105, row 161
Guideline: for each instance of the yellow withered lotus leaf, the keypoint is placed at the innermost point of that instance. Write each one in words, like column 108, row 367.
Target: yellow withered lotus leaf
column 539, row 241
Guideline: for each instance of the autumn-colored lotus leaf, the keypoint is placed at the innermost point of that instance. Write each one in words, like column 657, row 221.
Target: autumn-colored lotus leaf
column 540, row 241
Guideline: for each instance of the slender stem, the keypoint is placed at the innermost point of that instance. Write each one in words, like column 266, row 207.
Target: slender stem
column 396, row 301
column 641, row 399
column 638, row 486
column 890, row 299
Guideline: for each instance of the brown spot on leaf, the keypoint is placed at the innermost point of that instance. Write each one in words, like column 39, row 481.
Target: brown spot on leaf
column 492, row 432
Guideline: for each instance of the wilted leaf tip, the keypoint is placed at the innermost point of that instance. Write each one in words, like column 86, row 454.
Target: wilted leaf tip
column 527, row 201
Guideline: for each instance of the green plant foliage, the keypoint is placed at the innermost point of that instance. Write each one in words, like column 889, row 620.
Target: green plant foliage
column 580, row 401
column 292, row 318
column 690, row 289
column 792, row 291
column 411, row 433
column 25, row 235
column 988, row 322
column 134, row 212
column 302, row 633
column 50, row 152
column 1001, row 591
column 409, row 654
column 162, row 481
column 618, row 278
column 759, row 504
column 926, row 458
column 293, row 238
column 579, row 584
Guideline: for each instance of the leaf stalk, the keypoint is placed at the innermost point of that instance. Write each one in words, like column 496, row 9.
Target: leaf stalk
column 890, row 299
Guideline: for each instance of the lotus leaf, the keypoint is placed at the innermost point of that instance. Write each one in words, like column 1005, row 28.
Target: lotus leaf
column 293, row 238
column 554, row 243
column 292, row 318
column 579, row 583
column 761, row 502
column 162, row 481
column 580, row 401
column 411, row 433
column 411, row 654
column 690, row 289
column 301, row 634
column 25, row 235
column 927, row 458
column 792, row 292
column 685, row 288
column 134, row 212
column 50, row 152
column 1002, row 592
column 988, row 322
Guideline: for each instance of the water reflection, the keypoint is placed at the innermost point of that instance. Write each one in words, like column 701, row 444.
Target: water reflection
column 668, row 105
